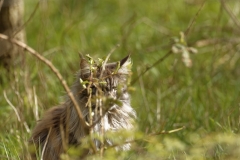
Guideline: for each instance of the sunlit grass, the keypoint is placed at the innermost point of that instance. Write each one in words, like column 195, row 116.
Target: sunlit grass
column 204, row 98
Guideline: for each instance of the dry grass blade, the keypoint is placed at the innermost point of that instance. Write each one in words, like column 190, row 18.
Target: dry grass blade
column 147, row 136
column 16, row 112
column 14, row 108
column 228, row 10
column 44, row 147
column 172, row 131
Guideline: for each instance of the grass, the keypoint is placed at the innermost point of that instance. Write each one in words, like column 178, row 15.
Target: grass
column 204, row 98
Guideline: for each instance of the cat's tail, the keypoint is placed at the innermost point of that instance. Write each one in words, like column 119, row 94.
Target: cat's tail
column 46, row 140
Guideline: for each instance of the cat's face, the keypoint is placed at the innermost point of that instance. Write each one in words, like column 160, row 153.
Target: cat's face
column 107, row 79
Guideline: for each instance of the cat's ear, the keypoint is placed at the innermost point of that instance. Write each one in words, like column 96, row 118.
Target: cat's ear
column 84, row 69
column 125, row 65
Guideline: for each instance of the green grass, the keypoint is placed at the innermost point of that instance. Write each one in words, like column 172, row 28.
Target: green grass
column 204, row 98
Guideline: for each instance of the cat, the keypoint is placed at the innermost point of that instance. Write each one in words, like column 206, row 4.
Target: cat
column 100, row 88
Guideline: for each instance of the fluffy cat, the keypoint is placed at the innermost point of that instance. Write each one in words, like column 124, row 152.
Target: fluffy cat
column 101, row 93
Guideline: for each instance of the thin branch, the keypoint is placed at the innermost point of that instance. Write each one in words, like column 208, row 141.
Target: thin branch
column 25, row 23
column 51, row 51
column 167, row 132
column 53, row 68
column 100, row 117
column 144, row 97
column 89, row 105
column 170, row 51
column 102, row 128
column 193, row 20
column 147, row 136
column 154, row 64
column 106, row 59
column 228, row 10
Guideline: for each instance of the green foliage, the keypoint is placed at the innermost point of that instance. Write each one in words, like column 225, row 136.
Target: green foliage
column 203, row 96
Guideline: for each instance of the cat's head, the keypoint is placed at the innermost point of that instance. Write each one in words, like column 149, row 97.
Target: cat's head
column 104, row 76
column 92, row 69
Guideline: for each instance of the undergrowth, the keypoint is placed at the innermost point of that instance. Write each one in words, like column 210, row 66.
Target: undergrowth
column 196, row 87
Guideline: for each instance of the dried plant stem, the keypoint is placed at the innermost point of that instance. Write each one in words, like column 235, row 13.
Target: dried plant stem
column 102, row 130
column 106, row 59
column 16, row 112
column 167, row 132
column 148, row 136
column 45, row 144
column 28, row 20
column 14, row 108
column 170, row 51
column 158, row 111
column 89, row 105
column 154, row 64
column 145, row 101
column 35, row 104
column 54, row 69
column 193, row 20
column 232, row 16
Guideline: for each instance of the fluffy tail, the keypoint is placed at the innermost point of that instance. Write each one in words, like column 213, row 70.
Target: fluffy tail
column 47, row 137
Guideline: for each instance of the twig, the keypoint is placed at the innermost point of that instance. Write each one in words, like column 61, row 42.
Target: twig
column 89, row 105
column 106, row 59
column 147, row 136
column 154, row 64
column 170, row 51
column 193, row 20
column 53, row 68
column 50, row 51
column 232, row 16
column 100, row 117
column 28, row 20
column 145, row 101
column 167, row 132
column 102, row 127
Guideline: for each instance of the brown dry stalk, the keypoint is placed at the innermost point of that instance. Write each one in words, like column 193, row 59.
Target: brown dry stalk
column 16, row 112
column 230, row 13
column 44, row 147
column 106, row 60
column 145, row 137
column 194, row 20
column 53, row 68
column 150, row 67
column 28, row 20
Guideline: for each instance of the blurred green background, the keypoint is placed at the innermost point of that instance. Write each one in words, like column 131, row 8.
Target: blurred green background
column 205, row 97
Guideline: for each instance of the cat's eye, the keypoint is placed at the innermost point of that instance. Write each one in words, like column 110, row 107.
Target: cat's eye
column 94, row 89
